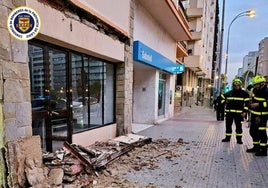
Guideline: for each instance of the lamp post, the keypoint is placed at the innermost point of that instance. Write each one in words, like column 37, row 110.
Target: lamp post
column 221, row 44
column 249, row 13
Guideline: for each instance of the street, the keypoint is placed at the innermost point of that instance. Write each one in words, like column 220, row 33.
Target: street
column 203, row 161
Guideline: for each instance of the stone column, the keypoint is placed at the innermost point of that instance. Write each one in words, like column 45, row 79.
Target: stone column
column 124, row 87
column 15, row 104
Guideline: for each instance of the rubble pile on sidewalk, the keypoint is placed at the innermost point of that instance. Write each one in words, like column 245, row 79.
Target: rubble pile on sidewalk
column 102, row 164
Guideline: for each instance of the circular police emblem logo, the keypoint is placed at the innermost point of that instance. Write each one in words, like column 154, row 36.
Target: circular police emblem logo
column 23, row 23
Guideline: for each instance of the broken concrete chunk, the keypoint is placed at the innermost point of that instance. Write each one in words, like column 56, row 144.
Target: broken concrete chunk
column 74, row 169
column 18, row 151
column 35, row 175
column 55, row 176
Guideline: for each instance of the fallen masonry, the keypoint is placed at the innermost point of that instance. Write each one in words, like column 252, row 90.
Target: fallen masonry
column 95, row 166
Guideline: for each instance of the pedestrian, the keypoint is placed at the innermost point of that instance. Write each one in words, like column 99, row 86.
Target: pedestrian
column 236, row 107
column 259, row 112
column 219, row 107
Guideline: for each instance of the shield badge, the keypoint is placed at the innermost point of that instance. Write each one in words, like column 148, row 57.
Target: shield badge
column 24, row 24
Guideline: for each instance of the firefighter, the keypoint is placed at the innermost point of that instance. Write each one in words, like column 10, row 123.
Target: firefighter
column 258, row 108
column 236, row 107
column 219, row 107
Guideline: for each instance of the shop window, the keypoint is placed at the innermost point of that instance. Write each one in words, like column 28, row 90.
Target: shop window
column 71, row 91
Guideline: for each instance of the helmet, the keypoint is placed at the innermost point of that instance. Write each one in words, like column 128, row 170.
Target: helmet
column 237, row 81
column 258, row 79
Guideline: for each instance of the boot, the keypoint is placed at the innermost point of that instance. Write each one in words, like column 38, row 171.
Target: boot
column 262, row 152
column 226, row 139
column 256, row 148
column 239, row 140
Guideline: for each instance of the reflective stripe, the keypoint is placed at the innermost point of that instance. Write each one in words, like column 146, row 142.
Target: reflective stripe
column 236, row 111
column 258, row 113
column 263, row 144
column 256, row 143
column 246, row 99
column 239, row 134
column 259, row 99
column 235, row 98
column 228, row 134
column 262, row 128
column 246, row 108
column 265, row 104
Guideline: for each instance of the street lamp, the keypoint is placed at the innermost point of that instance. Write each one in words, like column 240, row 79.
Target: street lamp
column 220, row 54
column 249, row 13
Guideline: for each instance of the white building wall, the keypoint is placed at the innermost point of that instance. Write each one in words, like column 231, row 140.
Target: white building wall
column 209, row 17
column 147, row 30
column 145, row 106
column 117, row 11
column 144, row 102
column 73, row 34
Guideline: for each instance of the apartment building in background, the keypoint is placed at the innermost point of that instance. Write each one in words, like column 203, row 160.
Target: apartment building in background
column 200, row 64
column 262, row 66
column 249, row 67
column 254, row 63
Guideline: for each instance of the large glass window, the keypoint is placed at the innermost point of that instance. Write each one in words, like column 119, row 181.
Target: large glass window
column 71, row 92
column 93, row 92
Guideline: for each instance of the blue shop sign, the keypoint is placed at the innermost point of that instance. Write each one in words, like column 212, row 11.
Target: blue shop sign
column 148, row 56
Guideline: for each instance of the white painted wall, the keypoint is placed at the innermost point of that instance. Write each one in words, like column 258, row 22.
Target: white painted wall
column 145, row 106
column 144, row 101
column 117, row 11
column 90, row 137
column 148, row 31
column 59, row 29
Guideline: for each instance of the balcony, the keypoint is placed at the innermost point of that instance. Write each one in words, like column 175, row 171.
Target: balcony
column 181, row 50
column 193, row 62
column 196, row 35
column 194, row 12
column 169, row 17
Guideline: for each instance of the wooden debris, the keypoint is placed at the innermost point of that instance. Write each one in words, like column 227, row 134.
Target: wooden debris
column 81, row 158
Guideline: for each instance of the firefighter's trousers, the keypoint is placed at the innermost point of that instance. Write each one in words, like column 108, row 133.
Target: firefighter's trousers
column 257, row 130
column 237, row 118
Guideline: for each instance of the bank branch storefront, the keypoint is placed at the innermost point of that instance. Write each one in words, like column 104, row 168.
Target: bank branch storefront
column 154, row 84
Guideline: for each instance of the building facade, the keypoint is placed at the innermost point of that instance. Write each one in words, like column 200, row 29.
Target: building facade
column 92, row 71
column 262, row 67
column 73, row 81
column 156, row 61
column 199, row 77
column 249, row 67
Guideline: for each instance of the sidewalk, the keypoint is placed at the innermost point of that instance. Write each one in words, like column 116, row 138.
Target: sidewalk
column 204, row 161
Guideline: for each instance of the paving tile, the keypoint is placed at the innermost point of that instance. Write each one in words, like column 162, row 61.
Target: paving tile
column 204, row 161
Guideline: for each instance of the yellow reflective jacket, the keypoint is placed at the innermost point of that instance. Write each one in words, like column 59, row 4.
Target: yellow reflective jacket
column 236, row 101
column 260, row 96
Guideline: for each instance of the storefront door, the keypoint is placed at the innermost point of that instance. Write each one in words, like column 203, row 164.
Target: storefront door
column 49, row 96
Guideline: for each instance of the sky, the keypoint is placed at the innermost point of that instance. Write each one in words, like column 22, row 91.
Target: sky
column 245, row 32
